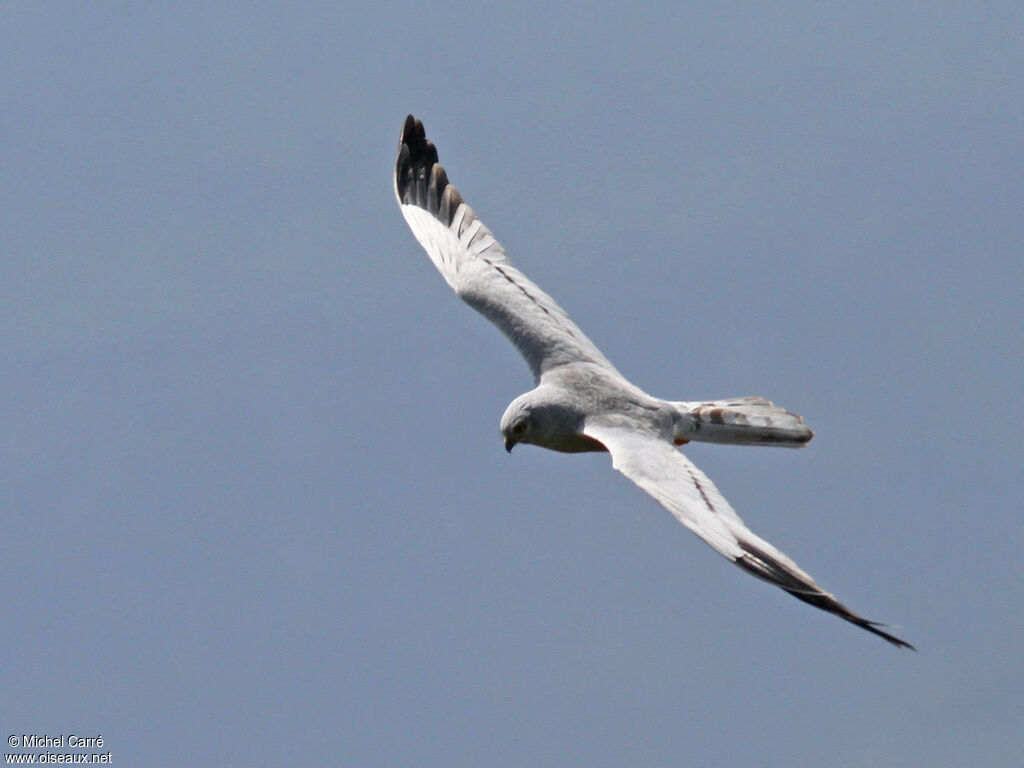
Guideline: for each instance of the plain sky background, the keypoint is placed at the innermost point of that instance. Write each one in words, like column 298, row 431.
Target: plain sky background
column 256, row 510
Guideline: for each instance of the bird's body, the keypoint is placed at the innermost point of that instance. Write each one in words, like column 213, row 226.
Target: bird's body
column 581, row 402
column 559, row 407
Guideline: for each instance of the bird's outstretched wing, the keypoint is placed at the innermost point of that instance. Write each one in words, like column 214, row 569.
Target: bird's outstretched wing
column 475, row 264
column 676, row 483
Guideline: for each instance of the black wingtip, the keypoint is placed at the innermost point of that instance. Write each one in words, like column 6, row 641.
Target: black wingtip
column 419, row 179
column 764, row 566
column 826, row 602
column 409, row 127
column 421, row 151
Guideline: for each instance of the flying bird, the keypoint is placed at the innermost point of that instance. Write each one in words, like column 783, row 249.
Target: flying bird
column 582, row 403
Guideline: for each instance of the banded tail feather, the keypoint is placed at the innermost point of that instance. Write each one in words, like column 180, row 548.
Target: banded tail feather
column 744, row 421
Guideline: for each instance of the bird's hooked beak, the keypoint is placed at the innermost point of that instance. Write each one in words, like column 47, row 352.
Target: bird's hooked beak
column 510, row 443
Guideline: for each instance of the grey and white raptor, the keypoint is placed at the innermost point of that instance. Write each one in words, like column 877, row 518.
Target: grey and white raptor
column 581, row 402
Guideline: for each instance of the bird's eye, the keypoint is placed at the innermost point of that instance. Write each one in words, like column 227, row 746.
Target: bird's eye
column 519, row 428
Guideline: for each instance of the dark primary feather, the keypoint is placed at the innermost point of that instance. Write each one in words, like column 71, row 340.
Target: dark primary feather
column 766, row 567
column 419, row 180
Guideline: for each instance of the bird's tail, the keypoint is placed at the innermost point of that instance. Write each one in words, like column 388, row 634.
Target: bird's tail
column 741, row 421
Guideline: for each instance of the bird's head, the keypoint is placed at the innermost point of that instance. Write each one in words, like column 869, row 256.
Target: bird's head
column 547, row 417
column 518, row 422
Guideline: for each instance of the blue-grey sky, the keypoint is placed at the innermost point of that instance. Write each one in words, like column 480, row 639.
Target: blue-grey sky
column 256, row 507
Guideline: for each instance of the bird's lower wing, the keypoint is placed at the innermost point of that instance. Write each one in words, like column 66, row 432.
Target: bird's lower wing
column 475, row 265
column 678, row 485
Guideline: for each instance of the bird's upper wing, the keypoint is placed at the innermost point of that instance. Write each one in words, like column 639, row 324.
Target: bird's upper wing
column 475, row 264
column 675, row 482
